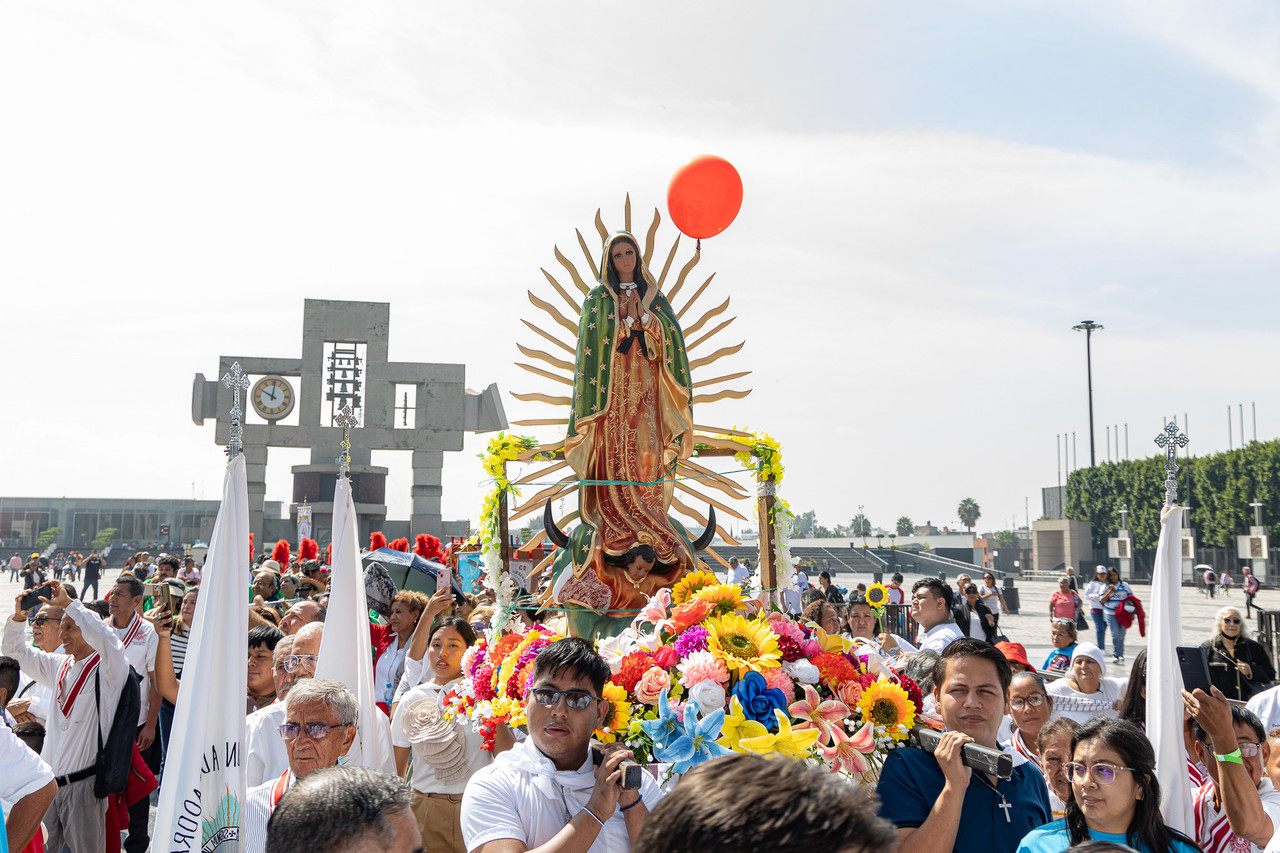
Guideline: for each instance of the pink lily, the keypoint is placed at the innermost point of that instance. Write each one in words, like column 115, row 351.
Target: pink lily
column 849, row 753
column 655, row 609
column 825, row 715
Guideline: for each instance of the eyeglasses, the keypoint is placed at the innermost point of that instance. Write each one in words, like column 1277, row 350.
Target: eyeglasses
column 293, row 662
column 1103, row 774
column 1247, row 750
column 1035, row 700
column 575, row 700
column 315, row 731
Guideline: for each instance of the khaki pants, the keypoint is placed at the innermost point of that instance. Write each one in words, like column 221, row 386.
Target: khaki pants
column 77, row 818
column 440, row 821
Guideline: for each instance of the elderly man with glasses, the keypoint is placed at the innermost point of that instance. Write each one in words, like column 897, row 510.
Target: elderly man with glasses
column 554, row 793
column 319, row 727
column 295, row 659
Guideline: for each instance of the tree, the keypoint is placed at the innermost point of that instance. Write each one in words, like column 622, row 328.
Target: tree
column 802, row 525
column 969, row 513
column 104, row 537
column 1006, row 539
column 820, row 532
column 860, row 526
column 905, row 527
column 47, row 537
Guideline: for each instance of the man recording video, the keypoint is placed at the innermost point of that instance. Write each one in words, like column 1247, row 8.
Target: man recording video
column 938, row 804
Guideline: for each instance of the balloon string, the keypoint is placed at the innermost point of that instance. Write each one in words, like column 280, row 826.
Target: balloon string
column 699, row 246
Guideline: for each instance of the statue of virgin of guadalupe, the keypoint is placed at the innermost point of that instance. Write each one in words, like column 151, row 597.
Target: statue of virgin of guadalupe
column 631, row 421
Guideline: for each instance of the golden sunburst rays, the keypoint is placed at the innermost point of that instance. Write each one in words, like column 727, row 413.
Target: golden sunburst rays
column 559, row 305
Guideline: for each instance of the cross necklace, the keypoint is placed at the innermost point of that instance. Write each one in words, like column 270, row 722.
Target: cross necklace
column 1004, row 803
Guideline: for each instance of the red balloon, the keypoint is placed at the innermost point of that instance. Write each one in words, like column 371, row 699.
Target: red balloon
column 704, row 196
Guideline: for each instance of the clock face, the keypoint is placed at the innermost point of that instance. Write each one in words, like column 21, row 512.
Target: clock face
column 272, row 398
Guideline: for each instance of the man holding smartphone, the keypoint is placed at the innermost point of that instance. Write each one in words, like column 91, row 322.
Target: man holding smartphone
column 554, row 793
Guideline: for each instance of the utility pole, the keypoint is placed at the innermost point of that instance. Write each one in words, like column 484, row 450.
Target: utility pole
column 1089, row 327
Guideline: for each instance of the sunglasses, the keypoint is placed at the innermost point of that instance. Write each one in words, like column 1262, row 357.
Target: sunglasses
column 315, row 731
column 575, row 700
column 1103, row 774
column 292, row 663
column 1231, row 621
column 40, row 620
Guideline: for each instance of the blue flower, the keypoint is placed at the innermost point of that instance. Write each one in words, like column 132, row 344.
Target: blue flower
column 759, row 700
column 695, row 743
column 666, row 726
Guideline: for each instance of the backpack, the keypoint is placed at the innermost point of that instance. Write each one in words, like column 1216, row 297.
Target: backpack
column 115, row 757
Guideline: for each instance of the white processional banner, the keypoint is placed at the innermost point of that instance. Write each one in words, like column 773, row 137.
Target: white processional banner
column 202, row 797
column 1164, row 678
column 344, row 648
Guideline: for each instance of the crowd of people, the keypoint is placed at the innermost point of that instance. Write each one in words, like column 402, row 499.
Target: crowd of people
column 1083, row 768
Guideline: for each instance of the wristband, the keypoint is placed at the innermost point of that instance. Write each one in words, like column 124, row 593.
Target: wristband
column 638, row 801
column 599, row 821
column 1232, row 757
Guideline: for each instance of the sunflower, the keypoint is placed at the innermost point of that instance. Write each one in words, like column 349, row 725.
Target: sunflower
column 887, row 704
column 742, row 644
column 877, row 596
column 724, row 598
column 690, row 584
column 618, row 719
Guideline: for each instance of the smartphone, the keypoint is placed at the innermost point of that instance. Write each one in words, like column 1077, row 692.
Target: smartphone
column 150, row 589
column 442, row 579
column 32, row 599
column 1194, row 664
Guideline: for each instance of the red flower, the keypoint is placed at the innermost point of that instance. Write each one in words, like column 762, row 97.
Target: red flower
column 665, row 657
column 791, row 650
column 834, row 669
column 632, row 668
column 483, row 683
column 913, row 692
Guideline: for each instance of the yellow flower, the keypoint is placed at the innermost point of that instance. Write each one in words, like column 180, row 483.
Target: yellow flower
column 877, row 596
column 743, row 644
column 793, row 743
column 887, row 704
column 834, row 643
column 724, row 597
column 737, row 726
column 619, row 716
column 690, row 584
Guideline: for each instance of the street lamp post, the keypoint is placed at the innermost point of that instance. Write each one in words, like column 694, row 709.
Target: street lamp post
column 1089, row 327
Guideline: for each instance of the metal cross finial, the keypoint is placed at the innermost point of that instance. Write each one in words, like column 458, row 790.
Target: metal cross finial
column 1171, row 440
column 346, row 420
column 237, row 381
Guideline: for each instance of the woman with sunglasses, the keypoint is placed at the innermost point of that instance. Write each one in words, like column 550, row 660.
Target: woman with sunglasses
column 1238, row 666
column 445, row 752
column 1114, row 795
column 992, row 594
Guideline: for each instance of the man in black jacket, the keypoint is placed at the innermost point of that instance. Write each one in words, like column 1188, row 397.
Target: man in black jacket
column 975, row 619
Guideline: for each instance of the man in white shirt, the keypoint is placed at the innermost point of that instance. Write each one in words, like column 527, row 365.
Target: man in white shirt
column 320, row 726
column 124, row 602
column 554, row 793
column 295, row 659
column 34, row 699
column 26, row 789
column 1238, row 810
column 94, row 658
column 737, row 574
column 931, row 608
column 1093, row 593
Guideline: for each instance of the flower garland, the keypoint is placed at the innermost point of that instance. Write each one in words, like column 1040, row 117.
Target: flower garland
column 502, row 449
column 765, row 455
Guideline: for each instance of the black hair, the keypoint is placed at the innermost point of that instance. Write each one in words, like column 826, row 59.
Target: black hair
column 966, row 648
column 747, row 802
column 1034, row 676
column 825, row 575
column 1147, row 830
column 135, row 587
column 897, row 576
column 32, row 734
column 170, row 560
column 462, row 626
column 1133, row 707
column 573, row 656
column 265, row 635
column 937, row 588
column 644, row 552
column 856, row 599
column 10, row 670
column 1238, row 716
column 610, row 273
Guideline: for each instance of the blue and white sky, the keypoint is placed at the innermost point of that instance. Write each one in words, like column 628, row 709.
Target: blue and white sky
column 934, row 194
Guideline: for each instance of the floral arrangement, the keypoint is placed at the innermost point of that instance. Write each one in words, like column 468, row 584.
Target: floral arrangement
column 703, row 672
column 502, row 449
column 496, row 673
column 765, row 456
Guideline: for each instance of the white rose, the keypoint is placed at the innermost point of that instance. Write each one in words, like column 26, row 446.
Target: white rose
column 802, row 671
column 709, row 696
